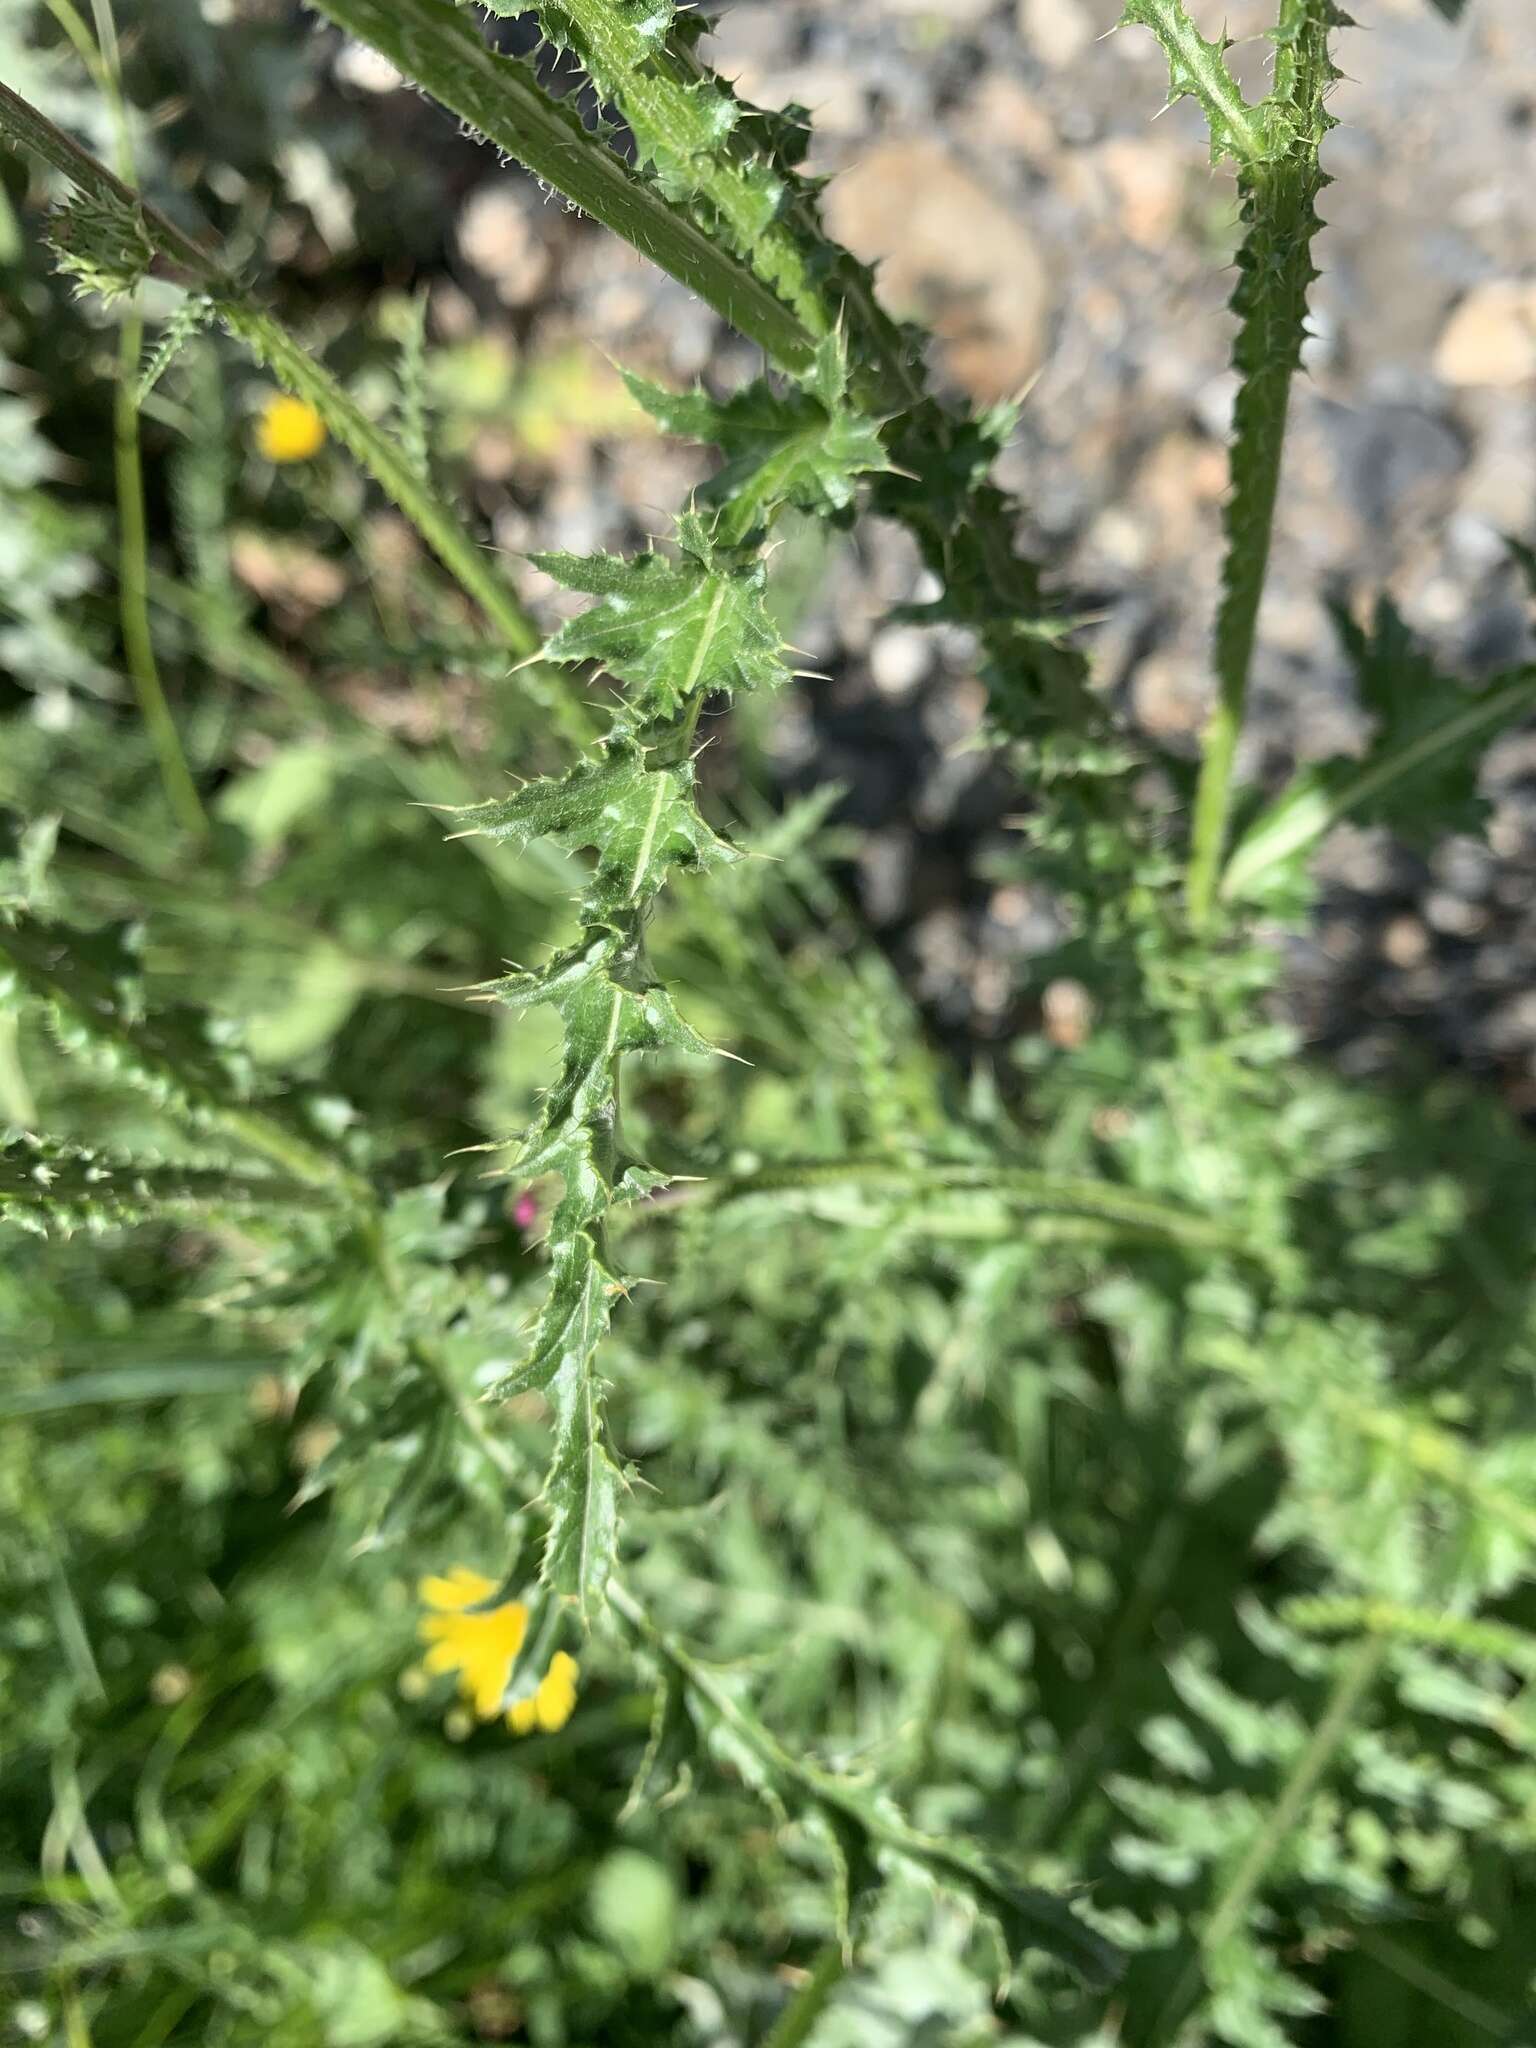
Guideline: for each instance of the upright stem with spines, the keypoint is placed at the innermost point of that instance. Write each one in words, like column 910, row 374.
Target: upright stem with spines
column 1276, row 148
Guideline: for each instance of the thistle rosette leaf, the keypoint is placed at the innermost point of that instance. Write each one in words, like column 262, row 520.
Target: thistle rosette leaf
column 671, row 629
column 805, row 447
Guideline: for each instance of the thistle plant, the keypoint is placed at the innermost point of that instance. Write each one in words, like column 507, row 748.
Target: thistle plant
column 1082, row 1529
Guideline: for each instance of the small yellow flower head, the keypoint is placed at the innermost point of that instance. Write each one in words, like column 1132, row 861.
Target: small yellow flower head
column 481, row 1647
column 554, row 1702
column 289, row 429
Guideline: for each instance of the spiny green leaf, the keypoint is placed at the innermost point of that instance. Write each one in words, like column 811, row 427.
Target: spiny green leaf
column 868, row 1829
column 805, row 447
column 51, row 1188
column 648, row 21
column 1420, row 776
column 196, row 312
column 1197, row 69
column 671, row 629
column 102, row 243
column 571, row 1324
column 1412, row 701
column 581, row 1491
column 611, row 1003
column 640, row 817
column 182, row 1058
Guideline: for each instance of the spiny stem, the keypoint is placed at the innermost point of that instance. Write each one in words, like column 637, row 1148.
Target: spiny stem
column 432, row 42
column 663, row 96
column 1275, row 273
column 965, row 527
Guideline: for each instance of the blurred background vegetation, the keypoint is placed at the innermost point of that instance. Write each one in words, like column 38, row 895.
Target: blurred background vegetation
column 914, row 1476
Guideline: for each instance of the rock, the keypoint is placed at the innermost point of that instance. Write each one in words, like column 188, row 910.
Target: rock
column 1182, row 476
column 1490, row 339
column 498, row 238
column 366, row 69
column 1170, row 697
column 947, row 13
column 1058, row 31
column 1120, row 539
column 1395, row 460
column 835, row 96
column 885, row 874
column 952, row 255
column 899, row 658
column 1066, row 1011
column 1405, row 942
column 1449, row 913
column 1147, row 177
column 285, row 572
column 1012, row 117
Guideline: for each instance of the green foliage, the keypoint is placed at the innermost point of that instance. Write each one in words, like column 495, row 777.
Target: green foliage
column 47, row 1187
column 47, row 562
column 672, row 631
column 1419, row 777
column 805, row 447
column 1049, row 1562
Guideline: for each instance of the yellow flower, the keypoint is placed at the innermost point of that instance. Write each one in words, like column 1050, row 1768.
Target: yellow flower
column 481, row 1647
column 554, row 1702
column 289, row 429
